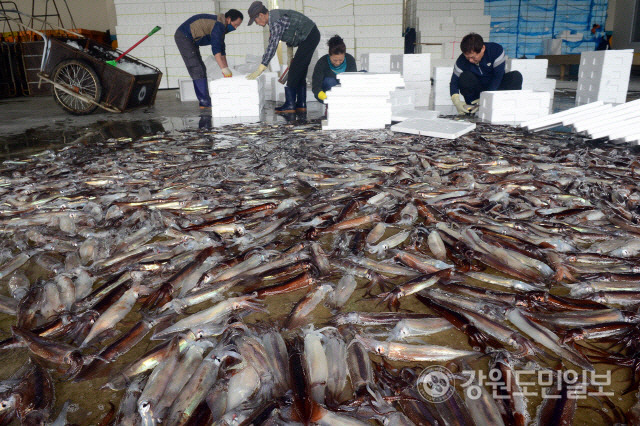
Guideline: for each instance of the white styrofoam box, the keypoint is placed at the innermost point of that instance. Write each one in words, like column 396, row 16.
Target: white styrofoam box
column 380, row 42
column 437, row 127
column 473, row 19
column 467, row 5
column 451, row 50
column 377, row 50
column 544, row 85
column 463, row 30
column 436, row 51
column 335, row 21
column 529, row 68
column 402, row 97
column 187, row 91
column 396, row 63
column 377, row 10
column 416, row 67
column 376, row 62
column 604, row 75
column 401, row 114
column 442, row 73
column 128, row 35
column 236, row 105
column 390, row 20
column 446, row 109
column 615, row 114
column 333, row 8
column 513, row 106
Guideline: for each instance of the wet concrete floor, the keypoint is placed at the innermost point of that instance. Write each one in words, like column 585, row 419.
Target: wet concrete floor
column 32, row 124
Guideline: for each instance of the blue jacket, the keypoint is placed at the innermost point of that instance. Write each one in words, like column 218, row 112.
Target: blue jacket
column 205, row 29
column 490, row 70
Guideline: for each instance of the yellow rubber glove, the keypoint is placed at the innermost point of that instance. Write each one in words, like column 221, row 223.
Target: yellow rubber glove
column 459, row 104
column 226, row 72
column 256, row 73
column 322, row 96
column 289, row 55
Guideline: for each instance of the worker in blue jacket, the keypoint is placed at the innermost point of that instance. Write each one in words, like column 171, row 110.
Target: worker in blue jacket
column 479, row 68
column 205, row 30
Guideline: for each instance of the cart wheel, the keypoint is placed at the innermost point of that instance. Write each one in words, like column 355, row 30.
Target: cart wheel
column 79, row 77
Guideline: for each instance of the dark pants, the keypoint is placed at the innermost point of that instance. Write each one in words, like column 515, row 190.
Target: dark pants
column 191, row 55
column 302, row 59
column 470, row 86
column 328, row 83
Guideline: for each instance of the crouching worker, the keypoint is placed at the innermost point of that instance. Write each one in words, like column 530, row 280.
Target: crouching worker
column 296, row 30
column 329, row 66
column 479, row 68
column 203, row 30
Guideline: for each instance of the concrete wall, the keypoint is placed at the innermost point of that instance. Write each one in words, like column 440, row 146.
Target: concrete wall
column 99, row 15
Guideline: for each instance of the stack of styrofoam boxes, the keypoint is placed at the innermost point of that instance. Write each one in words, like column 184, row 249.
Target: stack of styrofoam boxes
column 467, row 21
column 441, row 24
column 513, row 106
column 361, row 101
column 378, row 27
column 135, row 18
column 375, row 62
column 604, row 76
column 441, row 96
column 534, row 73
column 237, row 96
column 402, row 99
column 416, row 71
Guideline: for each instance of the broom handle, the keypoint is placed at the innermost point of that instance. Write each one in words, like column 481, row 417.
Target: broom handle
column 152, row 32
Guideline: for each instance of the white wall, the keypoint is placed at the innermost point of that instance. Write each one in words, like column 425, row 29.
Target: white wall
column 100, row 15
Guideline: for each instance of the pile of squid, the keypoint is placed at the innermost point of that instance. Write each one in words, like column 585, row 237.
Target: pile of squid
column 278, row 274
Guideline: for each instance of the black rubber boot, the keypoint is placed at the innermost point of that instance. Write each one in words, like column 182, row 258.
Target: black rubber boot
column 301, row 98
column 289, row 102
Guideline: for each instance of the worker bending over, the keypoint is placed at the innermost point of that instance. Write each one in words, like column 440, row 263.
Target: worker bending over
column 479, row 68
column 296, row 30
column 329, row 66
column 203, row 30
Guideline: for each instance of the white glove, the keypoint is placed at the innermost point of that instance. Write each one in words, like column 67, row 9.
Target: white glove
column 256, row 73
column 289, row 55
column 460, row 105
column 226, row 72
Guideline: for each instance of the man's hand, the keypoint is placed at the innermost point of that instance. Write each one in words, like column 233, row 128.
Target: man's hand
column 256, row 73
column 322, row 96
column 289, row 55
column 226, row 72
column 460, row 105
column 475, row 106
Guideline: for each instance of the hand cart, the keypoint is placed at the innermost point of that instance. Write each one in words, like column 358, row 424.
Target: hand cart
column 83, row 81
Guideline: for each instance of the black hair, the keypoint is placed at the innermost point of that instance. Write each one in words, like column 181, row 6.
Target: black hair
column 472, row 42
column 234, row 14
column 336, row 45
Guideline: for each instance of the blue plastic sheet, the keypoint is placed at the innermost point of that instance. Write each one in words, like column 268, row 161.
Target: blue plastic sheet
column 521, row 26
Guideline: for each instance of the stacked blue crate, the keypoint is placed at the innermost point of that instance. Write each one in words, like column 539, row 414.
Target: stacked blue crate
column 521, row 26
